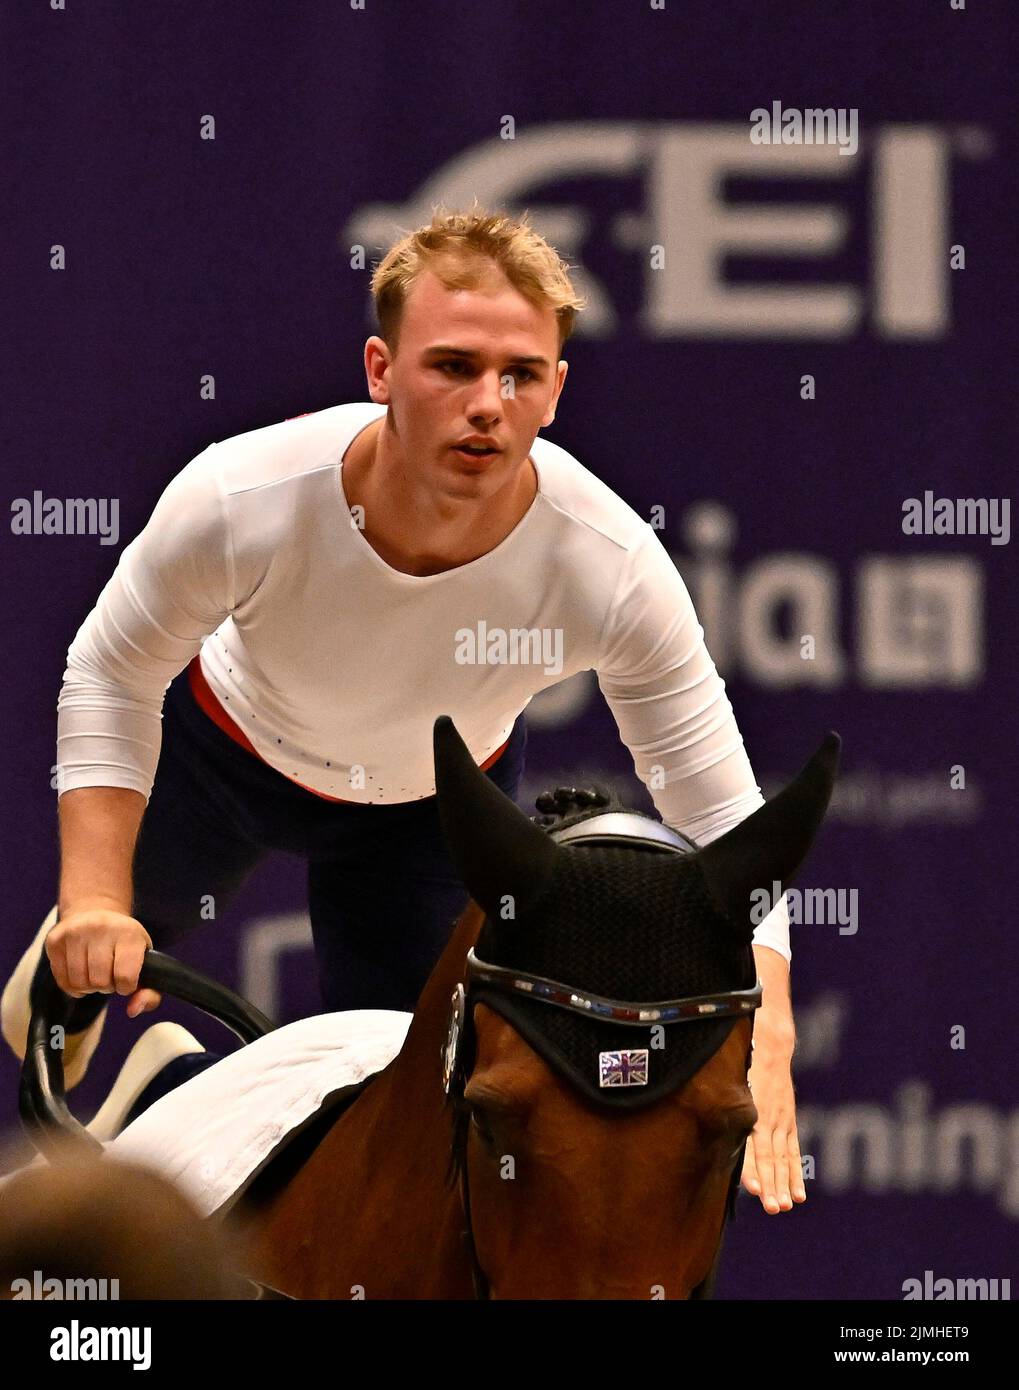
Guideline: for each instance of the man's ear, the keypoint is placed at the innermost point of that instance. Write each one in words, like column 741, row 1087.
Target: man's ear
column 377, row 360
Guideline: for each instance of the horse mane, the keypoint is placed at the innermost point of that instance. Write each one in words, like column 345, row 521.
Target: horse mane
column 566, row 805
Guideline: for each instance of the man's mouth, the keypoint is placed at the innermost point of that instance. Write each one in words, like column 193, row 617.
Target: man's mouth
column 473, row 451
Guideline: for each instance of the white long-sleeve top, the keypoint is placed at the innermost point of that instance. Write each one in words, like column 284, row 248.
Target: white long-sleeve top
column 335, row 665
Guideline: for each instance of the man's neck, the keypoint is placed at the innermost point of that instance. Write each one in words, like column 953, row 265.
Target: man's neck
column 421, row 534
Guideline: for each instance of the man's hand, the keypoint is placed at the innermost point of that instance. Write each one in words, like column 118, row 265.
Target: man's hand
column 96, row 950
column 771, row 1167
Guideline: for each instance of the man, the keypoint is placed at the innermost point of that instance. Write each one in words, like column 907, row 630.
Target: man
column 362, row 570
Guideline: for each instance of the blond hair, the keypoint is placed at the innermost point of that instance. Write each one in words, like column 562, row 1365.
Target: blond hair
column 462, row 249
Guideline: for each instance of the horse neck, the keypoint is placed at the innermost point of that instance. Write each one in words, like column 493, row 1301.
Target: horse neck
column 418, row 1062
column 392, row 1146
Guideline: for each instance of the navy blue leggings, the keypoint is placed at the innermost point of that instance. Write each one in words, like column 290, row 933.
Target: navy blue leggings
column 383, row 894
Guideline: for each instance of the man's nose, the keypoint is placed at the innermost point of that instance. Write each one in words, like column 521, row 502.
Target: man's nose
column 486, row 399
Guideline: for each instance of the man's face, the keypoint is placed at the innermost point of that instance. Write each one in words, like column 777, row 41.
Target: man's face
column 469, row 362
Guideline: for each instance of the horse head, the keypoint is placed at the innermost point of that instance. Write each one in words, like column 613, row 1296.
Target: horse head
column 599, row 1044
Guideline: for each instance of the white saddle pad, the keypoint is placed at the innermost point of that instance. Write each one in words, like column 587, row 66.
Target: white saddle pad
column 213, row 1134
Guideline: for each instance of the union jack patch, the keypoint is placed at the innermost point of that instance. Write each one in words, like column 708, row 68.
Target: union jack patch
column 628, row 1068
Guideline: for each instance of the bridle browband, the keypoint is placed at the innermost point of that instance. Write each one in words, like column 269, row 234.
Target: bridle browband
column 610, row 828
column 725, row 1004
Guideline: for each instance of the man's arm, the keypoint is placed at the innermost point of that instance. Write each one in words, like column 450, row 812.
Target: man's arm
column 773, row 1023
column 173, row 585
column 772, row 1168
column 98, row 832
column 171, row 588
column 674, row 716
column 97, row 946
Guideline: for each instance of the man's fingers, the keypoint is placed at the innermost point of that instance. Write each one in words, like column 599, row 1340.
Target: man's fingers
column 99, row 955
column 98, row 951
column 127, row 964
column 76, row 959
column 143, row 1001
column 764, row 1158
column 58, row 961
column 796, row 1184
column 750, row 1180
column 780, row 1155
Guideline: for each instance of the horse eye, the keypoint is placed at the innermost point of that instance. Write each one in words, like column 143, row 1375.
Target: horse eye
column 480, row 1124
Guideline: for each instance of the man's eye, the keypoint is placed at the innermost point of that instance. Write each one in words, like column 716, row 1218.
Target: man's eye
column 453, row 363
column 525, row 373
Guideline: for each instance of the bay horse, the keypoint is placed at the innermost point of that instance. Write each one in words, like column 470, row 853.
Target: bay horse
column 568, row 1114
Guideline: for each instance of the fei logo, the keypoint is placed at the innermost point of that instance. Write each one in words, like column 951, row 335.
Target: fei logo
column 687, row 226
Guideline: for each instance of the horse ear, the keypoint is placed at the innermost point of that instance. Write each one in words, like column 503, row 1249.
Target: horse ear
column 497, row 850
column 770, row 845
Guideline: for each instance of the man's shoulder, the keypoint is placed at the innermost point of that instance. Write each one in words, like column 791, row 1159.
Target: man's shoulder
column 584, row 500
column 291, row 447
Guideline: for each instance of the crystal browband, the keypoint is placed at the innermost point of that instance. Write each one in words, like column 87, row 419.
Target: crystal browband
column 722, row 1005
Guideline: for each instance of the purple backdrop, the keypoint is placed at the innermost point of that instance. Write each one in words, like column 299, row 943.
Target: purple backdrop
column 187, row 257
